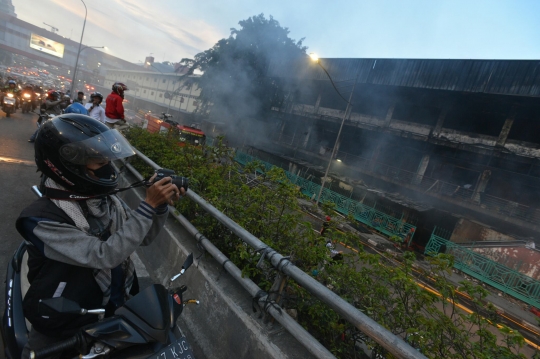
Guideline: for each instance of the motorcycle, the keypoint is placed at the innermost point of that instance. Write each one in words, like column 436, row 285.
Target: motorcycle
column 27, row 102
column 144, row 327
column 37, row 101
column 8, row 104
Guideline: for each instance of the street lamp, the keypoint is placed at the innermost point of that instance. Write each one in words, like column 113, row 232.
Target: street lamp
column 79, row 52
column 77, row 64
column 167, row 90
column 315, row 58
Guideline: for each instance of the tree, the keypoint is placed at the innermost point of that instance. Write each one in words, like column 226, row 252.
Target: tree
column 235, row 86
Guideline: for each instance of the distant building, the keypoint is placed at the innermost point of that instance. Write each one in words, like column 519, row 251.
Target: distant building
column 39, row 44
column 461, row 136
column 7, row 7
column 157, row 92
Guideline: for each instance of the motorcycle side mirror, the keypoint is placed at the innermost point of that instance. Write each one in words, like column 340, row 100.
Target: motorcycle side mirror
column 59, row 305
column 188, row 262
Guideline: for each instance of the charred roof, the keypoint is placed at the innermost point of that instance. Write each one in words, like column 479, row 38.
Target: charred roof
column 504, row 77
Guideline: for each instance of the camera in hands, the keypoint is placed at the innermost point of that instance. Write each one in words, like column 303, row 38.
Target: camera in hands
column 179, row 181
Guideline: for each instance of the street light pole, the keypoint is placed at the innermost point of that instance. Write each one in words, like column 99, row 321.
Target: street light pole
column 348, row 110
column 78, row 52
column 81, row 50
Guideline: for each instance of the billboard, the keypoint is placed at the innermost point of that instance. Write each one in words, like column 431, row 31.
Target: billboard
column 48, row 46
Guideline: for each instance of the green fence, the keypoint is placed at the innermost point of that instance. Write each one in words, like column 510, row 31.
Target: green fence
column 378, row 220
column 490, row 272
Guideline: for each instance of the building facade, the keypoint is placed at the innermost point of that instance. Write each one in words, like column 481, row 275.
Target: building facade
column 158, row 92
column 458, row 136
column 6, row 6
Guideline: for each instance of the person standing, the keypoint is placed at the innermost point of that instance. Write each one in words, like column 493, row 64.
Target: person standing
column 325, row 225
column 94, row 107
column 114, row 109
column 80, row 97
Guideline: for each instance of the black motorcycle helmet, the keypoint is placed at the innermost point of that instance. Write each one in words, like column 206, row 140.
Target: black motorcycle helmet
column 65, row 145
column 98, row 95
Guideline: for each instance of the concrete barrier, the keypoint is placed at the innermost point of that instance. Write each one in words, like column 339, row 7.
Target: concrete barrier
column 223, row 325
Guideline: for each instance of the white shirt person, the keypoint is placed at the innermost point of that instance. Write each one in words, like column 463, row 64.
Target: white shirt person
column 96, row 111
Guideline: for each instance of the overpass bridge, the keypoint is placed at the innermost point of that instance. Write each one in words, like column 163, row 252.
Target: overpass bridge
column 20, row 37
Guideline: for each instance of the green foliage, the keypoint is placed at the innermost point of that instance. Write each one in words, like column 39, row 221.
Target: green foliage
column 265, row 203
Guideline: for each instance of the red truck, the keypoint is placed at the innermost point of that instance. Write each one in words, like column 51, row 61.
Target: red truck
column 188, row 134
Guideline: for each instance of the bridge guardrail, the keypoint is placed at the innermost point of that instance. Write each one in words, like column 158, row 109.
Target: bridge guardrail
column 486, row 270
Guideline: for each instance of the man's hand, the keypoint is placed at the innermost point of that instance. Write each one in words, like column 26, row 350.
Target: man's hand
column 163, row 191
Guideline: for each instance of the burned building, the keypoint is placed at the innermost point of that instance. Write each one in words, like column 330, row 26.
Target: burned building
column 459, row 136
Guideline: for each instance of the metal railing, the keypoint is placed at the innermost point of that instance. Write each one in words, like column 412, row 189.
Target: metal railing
column 486, row 270
column 370, row 216
column 394, row 344
column 430, row 185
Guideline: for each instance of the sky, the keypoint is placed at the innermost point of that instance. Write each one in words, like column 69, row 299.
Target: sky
column 174, row 29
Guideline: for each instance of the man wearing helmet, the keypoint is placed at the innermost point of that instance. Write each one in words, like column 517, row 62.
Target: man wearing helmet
column 114, row 109
column 53, row 103
column 12, row 87
column 82, row 234
column 94, row 107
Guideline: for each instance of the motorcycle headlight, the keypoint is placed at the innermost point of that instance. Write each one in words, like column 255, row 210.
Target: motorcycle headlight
column 27, row 95
column 10, row 95
column 37, row 94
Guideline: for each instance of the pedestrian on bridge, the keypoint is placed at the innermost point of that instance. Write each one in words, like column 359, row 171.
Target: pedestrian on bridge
column 326, row 225
column 94, row 107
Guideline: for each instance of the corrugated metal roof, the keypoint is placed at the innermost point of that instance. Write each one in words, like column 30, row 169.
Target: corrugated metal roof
column 507, row 77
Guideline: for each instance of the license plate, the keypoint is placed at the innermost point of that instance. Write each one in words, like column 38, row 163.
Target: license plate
column 9, row 101
column 180, row 349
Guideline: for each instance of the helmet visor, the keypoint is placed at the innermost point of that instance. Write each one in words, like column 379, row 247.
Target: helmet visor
column 109, row 145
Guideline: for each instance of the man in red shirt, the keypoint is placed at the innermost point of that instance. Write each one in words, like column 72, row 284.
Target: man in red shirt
column 114, row 109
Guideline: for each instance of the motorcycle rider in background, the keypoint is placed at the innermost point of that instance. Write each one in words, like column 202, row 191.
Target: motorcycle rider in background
column 38, row 90
column 28, row 89
column 66, row 101
column 81, row 248
column 94, row 107
column 53, row 103
column 14, row 89
column 114, row 109
column 52, row 106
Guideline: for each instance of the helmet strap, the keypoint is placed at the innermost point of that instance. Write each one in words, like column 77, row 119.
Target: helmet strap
column 53, row 193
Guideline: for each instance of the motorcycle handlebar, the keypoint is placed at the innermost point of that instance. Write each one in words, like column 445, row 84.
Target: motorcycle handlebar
column 57, row 348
